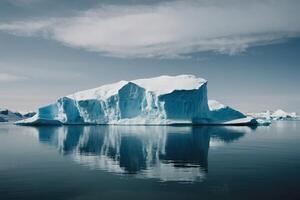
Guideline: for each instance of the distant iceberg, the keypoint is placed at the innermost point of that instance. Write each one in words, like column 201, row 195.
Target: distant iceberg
column 12, row 116
column 162, row 100
column 276, row 115
column 280, row 114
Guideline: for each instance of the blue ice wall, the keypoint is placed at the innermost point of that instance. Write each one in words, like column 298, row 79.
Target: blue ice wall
column 131, row 98
column 70, row 110
column 48, row 112
column 186, row 104
column 92, row 111
column 226, row 114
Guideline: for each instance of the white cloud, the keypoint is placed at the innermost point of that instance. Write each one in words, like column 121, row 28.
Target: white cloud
column 170, row 29
column 6, row 77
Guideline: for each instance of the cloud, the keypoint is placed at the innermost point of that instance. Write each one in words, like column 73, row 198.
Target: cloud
column 6, row 77
column 171, row 29
column 22, row 2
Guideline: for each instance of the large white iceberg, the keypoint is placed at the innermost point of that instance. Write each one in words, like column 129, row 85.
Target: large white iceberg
column 161, row 100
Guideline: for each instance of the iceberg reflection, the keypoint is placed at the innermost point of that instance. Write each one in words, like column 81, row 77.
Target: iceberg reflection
column 163, row 152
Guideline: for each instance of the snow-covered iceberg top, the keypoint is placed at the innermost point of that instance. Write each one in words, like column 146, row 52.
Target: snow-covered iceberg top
column 157, row 101
column 158, row 85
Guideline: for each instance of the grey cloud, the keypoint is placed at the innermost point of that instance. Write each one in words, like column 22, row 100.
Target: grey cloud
column 170, row 29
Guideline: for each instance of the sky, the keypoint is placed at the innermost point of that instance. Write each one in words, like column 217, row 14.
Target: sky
column 249, row 51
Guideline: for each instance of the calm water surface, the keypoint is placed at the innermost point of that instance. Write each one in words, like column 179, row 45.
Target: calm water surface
column 148, row 162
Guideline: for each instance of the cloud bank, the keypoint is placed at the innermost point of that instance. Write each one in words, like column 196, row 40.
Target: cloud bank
column 171, row 29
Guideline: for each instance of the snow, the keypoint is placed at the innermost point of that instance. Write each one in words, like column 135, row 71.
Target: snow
column 103, row 92
column 158, row 85
column 157, row 101
column 167, row 84
column 215, row 105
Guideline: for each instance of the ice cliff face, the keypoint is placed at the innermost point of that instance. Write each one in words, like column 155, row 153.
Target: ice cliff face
column 161, row 100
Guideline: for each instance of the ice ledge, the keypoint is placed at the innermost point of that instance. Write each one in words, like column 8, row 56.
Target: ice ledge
column 138, row 121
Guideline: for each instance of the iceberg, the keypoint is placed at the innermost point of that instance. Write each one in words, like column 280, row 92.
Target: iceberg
column 28, row 114
column 10, row 116
column 261, row 115
column 282, row 115
column 264, row 122
column 268, row 116
column 221, row 114
column 163, row 100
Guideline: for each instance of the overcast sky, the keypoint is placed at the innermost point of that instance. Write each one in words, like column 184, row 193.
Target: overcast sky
column 249, row 51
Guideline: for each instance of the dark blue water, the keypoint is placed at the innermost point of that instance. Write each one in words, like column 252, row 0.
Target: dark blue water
column 150, row 162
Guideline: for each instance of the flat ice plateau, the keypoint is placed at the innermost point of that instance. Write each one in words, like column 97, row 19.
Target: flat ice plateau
column 163, row 100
